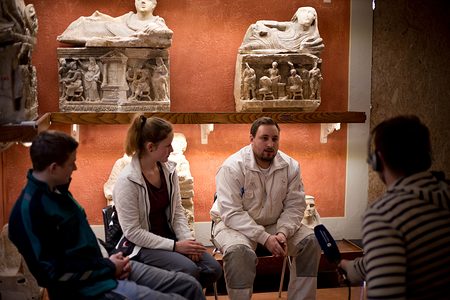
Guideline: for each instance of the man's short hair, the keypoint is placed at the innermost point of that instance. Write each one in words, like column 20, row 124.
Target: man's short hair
column 404, row 143
column 51, row 147
column 262, row 121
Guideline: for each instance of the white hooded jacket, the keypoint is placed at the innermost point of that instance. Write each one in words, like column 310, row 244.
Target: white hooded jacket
column 248, row 200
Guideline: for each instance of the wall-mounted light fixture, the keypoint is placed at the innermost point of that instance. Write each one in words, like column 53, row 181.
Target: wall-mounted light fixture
column 205, row 130
column 75, row 132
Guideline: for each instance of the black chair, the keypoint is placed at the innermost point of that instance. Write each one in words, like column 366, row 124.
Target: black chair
column 113, row 231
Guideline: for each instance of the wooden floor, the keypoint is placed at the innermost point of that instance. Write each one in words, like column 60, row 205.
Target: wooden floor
column 322, row 294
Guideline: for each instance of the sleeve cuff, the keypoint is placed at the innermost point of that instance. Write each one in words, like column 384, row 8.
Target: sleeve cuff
column 263, row 238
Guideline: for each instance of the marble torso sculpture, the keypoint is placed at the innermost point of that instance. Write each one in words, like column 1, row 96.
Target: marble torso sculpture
column 275, row 50
column 18, row 82
column 124, row 61
column 311, row 217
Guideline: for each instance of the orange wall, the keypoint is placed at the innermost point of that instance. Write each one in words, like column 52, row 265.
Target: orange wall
column 207, row 34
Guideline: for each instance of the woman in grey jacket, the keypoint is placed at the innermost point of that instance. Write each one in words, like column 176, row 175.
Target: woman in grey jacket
column 148, row 203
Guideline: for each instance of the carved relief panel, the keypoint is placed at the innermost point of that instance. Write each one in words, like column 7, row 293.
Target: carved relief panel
column 113, row 79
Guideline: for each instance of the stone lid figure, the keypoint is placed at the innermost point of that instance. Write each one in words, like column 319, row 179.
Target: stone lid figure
column 300, row 35
column 140, row 29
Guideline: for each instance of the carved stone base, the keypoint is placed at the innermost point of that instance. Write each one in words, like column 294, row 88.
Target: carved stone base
column 153, row 106
column 277, row 105
column 101, row 79
column 188, row 205
column 277, row 81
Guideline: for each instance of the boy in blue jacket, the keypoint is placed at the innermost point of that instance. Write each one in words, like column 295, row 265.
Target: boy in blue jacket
column 52, row 233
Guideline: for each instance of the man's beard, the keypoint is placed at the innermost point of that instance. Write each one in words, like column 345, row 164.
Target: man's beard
column 268, row 154
column 266, row 157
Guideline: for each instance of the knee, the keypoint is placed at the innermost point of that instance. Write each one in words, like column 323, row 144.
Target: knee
column 189, row 267
column 216, row 270
column 240, row 254
column 310, row 247
column 211, row 268
column 192, row 287
column 308, row 258
column 186, row 278
column 239, row 263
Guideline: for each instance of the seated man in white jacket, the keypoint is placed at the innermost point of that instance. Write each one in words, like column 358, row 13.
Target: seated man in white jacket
column 260, row 200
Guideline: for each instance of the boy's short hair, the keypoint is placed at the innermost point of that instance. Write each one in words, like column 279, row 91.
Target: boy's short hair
column 51, row 147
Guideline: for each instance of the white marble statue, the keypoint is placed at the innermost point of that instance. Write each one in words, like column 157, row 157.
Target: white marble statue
column 185, row 178
column 300, row 35
column 108, row 187
column 140, row 29
column 311, row 217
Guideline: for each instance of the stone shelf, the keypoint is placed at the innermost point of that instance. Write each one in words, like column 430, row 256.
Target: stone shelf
column 25, row 131
column 211, row 117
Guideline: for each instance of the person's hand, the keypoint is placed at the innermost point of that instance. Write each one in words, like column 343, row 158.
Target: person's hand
column 276, row 245
column 195, row 257
column 343, row 264
column 123, row 267
column 342, row 272
column 189, row 247
column 281, row 239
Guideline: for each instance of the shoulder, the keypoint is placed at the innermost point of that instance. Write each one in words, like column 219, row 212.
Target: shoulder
column 283, row 158
column 389, row 210
column 130, row 171
column 159, row 19
column 238, row 159
column 169, row 167
column 236, row 164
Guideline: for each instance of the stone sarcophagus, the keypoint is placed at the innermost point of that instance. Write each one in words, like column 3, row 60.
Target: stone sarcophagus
column 117, row 64
column 278, row 66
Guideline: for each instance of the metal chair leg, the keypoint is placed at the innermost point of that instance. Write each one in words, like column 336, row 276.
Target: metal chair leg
column 216, row 297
